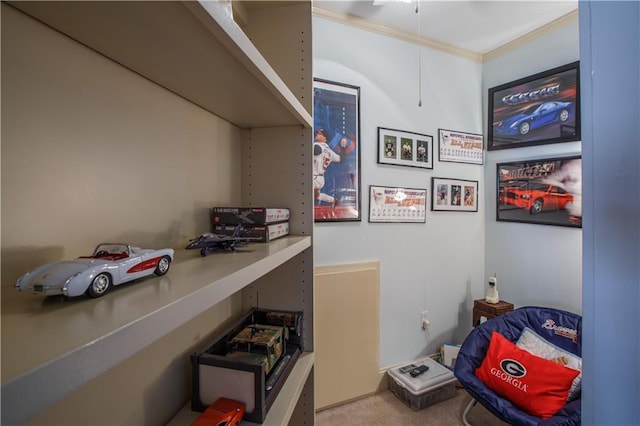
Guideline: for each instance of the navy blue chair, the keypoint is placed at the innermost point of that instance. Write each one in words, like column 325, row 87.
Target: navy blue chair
column 561, row 328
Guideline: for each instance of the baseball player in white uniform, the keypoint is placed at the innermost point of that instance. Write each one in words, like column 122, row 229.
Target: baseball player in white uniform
column 323, row 155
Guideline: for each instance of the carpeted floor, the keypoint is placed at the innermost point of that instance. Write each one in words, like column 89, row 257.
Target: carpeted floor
column 386, row 409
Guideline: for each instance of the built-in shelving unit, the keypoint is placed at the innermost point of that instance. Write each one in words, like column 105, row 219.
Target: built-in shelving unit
column 192, row 48
column 195, row 50
column 65, row 348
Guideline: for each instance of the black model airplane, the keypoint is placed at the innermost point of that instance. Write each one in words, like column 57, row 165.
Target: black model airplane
column 212, row 241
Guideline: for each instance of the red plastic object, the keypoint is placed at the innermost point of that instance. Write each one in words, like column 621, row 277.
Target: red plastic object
column 223, row 412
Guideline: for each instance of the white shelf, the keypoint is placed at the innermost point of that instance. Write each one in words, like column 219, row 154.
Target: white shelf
column 192, row 48
column 282, row 408
column 52, row 347
column 56, row 346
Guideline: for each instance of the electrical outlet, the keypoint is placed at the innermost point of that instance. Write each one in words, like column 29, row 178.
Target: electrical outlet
column 425, row 320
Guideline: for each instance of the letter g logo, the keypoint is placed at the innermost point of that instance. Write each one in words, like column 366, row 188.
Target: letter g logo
column 513, row 368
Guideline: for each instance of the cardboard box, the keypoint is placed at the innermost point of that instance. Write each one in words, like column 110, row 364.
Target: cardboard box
column 243, row 378
column 435, row 385
column 248, row 215
column 264, row 233
column 449, row 354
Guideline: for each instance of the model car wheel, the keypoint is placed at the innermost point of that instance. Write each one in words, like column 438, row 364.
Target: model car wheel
column 203, row 252
column 163, row 266
column 524, row 128
column 100, row 285
column 564, row 115
column 537, row 206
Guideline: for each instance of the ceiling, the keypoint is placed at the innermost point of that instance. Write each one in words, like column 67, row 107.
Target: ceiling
column 475, row 26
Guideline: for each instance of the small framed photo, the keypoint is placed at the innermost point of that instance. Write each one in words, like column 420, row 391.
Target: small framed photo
column 398, row 205
column 454, row 195
column 546, row 191
column 403, row 148
column 540, row 109
column 460, row 147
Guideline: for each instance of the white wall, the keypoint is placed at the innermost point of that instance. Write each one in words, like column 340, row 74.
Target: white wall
column 535, row 264
column 437, row 266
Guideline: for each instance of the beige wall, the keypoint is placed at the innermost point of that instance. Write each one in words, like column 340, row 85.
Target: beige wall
column 147, row 389
column 347, row 316
column 93, row 152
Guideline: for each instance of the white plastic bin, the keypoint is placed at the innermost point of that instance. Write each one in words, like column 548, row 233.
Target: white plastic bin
column 435, row 385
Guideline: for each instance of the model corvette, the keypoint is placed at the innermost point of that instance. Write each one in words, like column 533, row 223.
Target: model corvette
column 111, row 264
column 534, row 117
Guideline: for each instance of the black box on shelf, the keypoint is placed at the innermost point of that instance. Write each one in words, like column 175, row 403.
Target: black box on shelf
column 263, row 233
column 247, row 362
column 248, row 215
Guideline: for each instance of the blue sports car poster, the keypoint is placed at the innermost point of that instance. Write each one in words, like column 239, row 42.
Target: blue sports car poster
column 336, row 155
column 541, row 109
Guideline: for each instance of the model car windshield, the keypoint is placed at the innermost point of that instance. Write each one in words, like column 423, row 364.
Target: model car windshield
column 107, row 249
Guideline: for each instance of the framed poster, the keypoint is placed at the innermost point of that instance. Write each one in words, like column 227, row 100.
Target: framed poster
column 454, row 195
column 541, row 109
column 460, row 147
column 336, row 152
column 403, row 148
column 399, row 205
column 546, row 191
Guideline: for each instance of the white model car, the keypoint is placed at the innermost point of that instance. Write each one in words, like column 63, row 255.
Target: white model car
column 110, row 264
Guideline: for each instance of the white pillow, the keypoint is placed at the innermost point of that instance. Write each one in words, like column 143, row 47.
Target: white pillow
column 536, row 345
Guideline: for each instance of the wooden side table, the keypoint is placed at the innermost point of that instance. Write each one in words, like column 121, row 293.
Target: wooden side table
column 489, row 310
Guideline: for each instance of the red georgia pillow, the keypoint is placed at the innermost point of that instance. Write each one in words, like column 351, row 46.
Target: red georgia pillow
column 536, row 385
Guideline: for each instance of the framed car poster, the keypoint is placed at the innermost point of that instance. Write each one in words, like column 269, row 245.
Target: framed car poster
column 336, row 152
column 403, row 148
column 398, row 205
column 460, row 147
column 454, row 195
column 541, row 109
column 546, row 191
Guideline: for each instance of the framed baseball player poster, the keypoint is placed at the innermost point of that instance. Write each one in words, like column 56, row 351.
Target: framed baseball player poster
column 336, row 152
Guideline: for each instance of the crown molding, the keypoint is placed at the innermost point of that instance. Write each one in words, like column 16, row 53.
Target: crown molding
column 552, row 26
column 364, row 24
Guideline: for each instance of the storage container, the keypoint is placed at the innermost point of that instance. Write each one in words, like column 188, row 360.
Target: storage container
column 434, row 385
column 248, row 215
column 222, row 370
column 263, row 233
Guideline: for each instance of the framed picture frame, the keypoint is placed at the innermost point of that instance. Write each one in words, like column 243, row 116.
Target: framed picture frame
column 336, row 152
column 541, row 109
column 402, row 148
column 547, row 191
column 454, row 195
column 460, row 147
column 397, row 205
